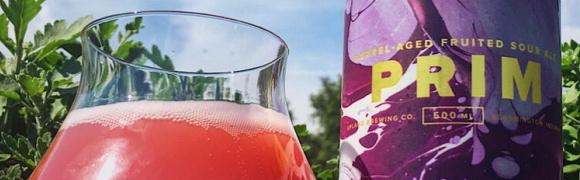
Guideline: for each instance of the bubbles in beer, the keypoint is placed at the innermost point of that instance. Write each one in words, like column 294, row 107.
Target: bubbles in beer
column 231, row 117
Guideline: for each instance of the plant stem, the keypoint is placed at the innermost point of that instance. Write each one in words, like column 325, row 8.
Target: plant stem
column 574, row 119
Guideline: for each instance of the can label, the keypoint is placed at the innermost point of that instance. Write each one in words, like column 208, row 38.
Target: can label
column 451, row 90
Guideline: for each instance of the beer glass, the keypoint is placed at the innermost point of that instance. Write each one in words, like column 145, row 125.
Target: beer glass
column 177, row 95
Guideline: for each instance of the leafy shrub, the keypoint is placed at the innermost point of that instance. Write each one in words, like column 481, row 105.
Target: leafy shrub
column 571, row 109
column 37, row 84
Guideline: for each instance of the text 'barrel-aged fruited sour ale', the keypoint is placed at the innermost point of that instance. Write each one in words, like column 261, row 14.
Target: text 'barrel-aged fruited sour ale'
column 175, row 140
column 451, row 90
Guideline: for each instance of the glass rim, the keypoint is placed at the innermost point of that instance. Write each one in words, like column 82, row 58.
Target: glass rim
column 101, row 20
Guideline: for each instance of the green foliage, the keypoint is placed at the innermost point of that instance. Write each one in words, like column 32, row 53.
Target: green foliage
column 327, row 105
column 4, row 38
column 20, row 13
column 322, row 148
column 13, row 172
column 164, row 62
column 55, row 35
column 325, row 170
column 36, row 84
column 571, row 108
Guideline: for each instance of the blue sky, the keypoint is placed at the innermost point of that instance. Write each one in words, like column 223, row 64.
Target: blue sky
column 313, row 30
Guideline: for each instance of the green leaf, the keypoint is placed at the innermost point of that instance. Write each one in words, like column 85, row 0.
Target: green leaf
column 64, row 83
column 104, row 33
column 3, row 101
column 566, row 60
column 326, row 174
column 32, row 85
column 333, row 162
column 4, row 38
column 20, row 13
column 131, row 29
column 565, row 46
column 301, row 130
column 571, row 156
column 160, row 84
column 71, row 66
column 123, row 51
column 23, row 145
column 135, row 26
column 4, row 157
column 164, row 62
column 7, row 141
column 571, row 96
column 73, row 48
column 50, row 61
column 20, row 148
column 55, row 35
column 58, row 81
column 306, row 147
column 107, row 29
column 571, row 168
column 13, row 172
column 42, row 142
column 9, row 89
column 59, row 110
column 7, row 66
column 10, row 95
column 576, row 52
column 570, row 132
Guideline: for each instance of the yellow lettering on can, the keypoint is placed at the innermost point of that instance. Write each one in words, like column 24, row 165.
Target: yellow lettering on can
column 510, row 70
column 439, row 79
column 478, row 76
column 395, row 71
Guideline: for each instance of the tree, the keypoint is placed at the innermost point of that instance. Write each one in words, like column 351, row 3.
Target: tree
column 327, row 111
column 326, row 103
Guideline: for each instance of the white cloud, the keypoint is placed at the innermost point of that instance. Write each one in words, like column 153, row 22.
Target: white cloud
column 569, row 12
column 570, row 21
column 570, row 33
